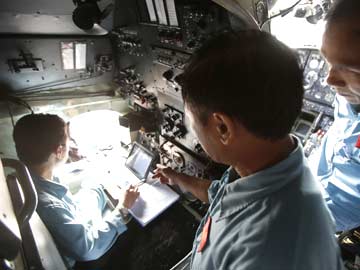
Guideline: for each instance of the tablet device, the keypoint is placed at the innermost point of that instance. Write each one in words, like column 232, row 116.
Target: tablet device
column 139, row 161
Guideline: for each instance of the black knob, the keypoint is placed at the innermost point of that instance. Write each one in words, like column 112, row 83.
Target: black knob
column 202, row 23
column 168, row 75
column 191, row 44
column 198, row 148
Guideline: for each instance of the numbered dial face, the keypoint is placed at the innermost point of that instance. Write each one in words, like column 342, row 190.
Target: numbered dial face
column 314, row 63
column 191, row 169
column 310, row 79
column 178, row 159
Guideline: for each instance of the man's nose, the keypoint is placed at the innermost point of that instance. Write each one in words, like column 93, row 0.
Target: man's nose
column 335, row 79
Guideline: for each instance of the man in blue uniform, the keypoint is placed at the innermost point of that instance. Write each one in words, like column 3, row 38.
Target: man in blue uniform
column 338, row 167
column 242, row 93
column 81, row 233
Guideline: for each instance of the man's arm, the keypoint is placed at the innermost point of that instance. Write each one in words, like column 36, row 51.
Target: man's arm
column 197, row 186
column 76, row 238
column 86, row 236
column 343, row 168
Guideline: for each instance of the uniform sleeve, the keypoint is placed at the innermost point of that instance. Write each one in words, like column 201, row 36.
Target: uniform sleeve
column 213, row 189
column 78, row 239
column 216, row 185
column 93, row 194
column 338, row 171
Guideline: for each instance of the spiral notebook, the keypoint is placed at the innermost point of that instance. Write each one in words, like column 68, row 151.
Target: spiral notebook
column 154, row 197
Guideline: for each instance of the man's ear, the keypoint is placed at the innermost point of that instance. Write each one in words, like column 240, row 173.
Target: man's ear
column 225, row 127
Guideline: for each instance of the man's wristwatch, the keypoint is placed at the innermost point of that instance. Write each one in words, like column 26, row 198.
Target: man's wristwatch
column 125, row 215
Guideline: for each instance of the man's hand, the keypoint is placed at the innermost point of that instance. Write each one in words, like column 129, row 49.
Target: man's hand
column 130, row 196
column 166, row 175
column 74, row 155
column 198, row 187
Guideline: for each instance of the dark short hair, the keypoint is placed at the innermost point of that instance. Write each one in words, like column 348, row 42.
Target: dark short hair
column 250, row 76
column 36, row 136
column 343, row 10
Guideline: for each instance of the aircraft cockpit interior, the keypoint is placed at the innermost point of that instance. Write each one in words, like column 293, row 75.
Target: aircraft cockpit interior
column 111, row 71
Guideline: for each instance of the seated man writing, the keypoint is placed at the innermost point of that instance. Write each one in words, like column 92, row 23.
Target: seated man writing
column 243, row 92
column 42, row 143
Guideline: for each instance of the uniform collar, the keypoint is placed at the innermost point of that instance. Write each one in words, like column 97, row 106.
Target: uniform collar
column 343, row 109
column 356, row 108
column 52, row 187
column 243, row 191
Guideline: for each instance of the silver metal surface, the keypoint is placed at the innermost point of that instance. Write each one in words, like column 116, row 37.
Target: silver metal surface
column 9, row 229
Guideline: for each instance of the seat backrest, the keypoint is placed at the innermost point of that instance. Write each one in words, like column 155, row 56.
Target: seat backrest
column 9, row 229
column 47, row 249
column 38, row 246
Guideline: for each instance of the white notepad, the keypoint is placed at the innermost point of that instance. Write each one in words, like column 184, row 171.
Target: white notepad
column 154, row 199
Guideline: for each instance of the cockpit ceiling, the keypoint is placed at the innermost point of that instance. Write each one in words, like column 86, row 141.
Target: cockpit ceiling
column 44, row 17
column 43, row 24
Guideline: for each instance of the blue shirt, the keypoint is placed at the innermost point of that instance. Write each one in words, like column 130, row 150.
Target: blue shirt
column 339, row 166
column 77, row 226
column 273, row 219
